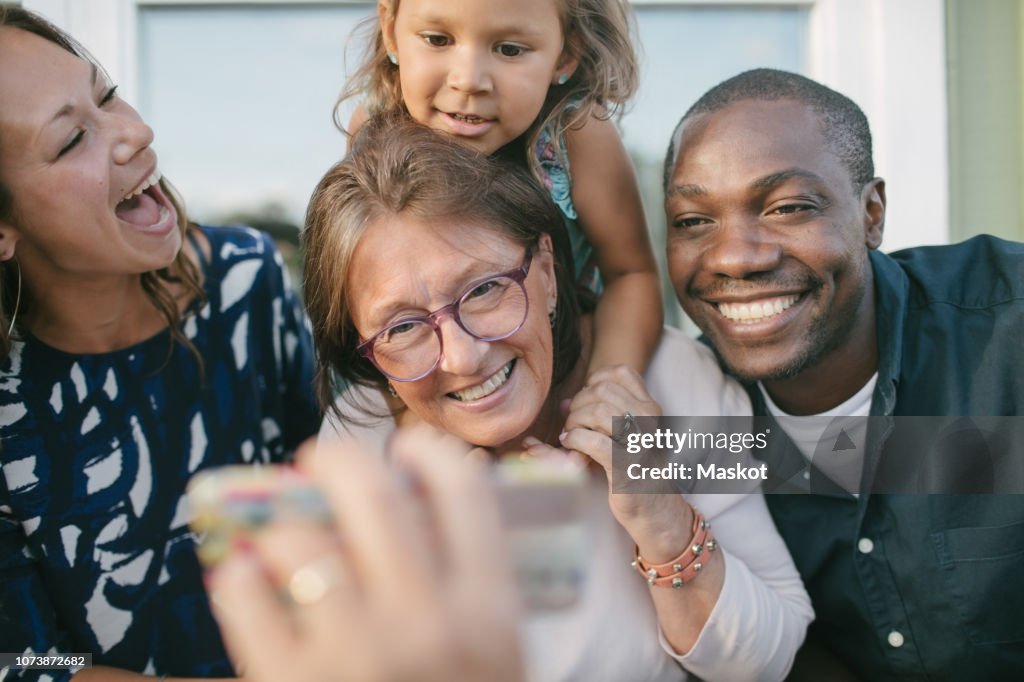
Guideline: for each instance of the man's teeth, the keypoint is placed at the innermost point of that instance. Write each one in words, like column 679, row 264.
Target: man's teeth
column 143, row 186
column 468, row 118
column 488, row 387
column 749, row 313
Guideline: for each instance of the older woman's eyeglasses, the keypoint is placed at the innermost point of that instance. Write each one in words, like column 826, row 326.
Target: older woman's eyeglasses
column 490, row 310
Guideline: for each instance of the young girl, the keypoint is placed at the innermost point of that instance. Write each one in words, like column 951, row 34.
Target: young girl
column 538, row 80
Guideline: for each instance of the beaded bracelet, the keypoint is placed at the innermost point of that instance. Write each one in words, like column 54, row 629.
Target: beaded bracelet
column 687, row 565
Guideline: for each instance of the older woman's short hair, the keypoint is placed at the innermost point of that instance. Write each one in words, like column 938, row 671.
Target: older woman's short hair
column 397, row 166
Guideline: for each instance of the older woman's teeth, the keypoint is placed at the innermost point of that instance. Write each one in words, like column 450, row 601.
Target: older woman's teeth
column 749, row 313
column 488, row 387
column 143, row 186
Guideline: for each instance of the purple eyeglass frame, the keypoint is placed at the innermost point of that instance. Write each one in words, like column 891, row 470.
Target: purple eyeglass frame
column 517, row 275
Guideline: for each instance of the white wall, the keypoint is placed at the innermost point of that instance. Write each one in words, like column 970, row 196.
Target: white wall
column 889, row 56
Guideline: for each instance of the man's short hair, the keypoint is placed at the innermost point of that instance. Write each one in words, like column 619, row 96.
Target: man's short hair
column 843, row 124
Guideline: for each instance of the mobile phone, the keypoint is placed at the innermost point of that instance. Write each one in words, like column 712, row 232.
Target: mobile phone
column 541, row 502
column 238, row 500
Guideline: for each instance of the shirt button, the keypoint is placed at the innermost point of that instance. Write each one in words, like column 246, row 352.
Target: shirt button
column 865, row 546
column 807, row 475
column 895, row 639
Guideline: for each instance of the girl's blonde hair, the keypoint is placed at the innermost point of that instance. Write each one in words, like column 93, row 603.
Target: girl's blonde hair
column 155, row 283
column 598, row 33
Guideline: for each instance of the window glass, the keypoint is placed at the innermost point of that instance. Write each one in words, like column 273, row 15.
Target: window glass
column 241, row 97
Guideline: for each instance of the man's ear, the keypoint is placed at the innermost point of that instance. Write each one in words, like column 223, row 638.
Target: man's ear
column 386, row 17
column 873, row 201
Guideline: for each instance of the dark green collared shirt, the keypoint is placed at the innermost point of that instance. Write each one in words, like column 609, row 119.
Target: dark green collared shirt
column 926, row 587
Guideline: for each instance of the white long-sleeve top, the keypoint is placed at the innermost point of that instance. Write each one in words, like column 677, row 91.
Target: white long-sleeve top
column 612, row 633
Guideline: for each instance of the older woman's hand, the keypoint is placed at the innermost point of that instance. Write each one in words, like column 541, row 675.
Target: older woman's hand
column 660, row 524
column 384, row 598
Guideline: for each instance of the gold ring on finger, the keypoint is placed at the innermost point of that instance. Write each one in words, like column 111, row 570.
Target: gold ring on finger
column 313, row 581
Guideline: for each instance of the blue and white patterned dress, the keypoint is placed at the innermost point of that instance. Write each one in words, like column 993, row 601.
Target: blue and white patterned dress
column 95, row 551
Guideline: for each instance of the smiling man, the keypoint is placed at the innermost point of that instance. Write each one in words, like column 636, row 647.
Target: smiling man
column 774, row 221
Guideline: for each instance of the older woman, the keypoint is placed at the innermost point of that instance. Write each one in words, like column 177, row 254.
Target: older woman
column 439, row 294
column 135, row 349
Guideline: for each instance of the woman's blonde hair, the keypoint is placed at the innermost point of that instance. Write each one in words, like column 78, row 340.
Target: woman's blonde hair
column 397, row 166
column 598, row 33
column 14, row 301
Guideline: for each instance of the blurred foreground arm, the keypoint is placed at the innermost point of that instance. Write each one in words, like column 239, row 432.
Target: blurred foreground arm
column 401, row 591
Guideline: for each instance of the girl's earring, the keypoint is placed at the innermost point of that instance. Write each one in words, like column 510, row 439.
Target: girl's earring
column 552, row 315
column 392, row 391
column 563, row 79
column 393, row 58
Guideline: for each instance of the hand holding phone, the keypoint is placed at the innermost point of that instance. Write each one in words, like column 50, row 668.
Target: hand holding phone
column 382, row 611
column 540, row 501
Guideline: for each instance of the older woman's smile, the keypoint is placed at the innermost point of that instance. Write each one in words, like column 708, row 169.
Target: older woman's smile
column 482, row 390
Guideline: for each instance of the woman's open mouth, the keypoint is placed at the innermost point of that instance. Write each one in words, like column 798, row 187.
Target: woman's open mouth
column 146, row 208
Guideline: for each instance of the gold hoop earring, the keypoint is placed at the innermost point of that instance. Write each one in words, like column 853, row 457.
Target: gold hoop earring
column 17, row 302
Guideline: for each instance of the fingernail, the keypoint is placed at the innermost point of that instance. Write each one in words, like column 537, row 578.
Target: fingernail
column 562, row 436
column 530, row 442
